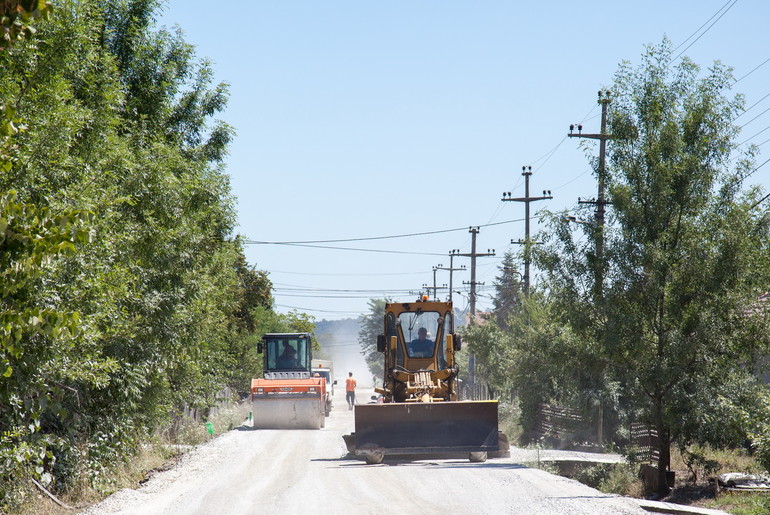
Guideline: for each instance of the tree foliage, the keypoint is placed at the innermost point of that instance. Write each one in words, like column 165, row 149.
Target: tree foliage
column 686, row 249
column 124, row 297
column 508, row 291
column 371, row 326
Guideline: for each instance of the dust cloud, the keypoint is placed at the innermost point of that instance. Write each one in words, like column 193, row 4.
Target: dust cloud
column 338, row 340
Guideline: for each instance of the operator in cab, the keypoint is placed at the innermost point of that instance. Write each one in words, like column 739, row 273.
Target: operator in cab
column 421, row 347
column 288, row 358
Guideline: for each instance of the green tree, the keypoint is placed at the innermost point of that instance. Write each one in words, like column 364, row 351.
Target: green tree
column 507, row 297
column 371, row 326
column 116, row 118
column 16, row 17
column 686, row 248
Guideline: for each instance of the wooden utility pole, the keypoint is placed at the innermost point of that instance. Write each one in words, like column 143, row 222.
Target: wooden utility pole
column 600, row 202
column 526, row 171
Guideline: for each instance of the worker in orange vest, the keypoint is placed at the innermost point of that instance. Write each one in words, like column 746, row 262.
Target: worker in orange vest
column 350, row 390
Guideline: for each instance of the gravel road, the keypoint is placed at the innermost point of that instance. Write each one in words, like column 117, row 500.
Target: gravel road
column 290, row 471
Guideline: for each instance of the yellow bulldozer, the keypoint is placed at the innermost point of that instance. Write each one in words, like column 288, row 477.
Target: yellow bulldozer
column 421, row 413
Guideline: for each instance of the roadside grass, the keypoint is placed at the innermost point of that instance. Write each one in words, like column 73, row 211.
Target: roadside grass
column 702, row 492
column 612, row 478
column 623, row 479
column 740, row 503
column 160, row 453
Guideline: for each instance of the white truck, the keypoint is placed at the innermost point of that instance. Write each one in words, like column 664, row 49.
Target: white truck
column 325, row 368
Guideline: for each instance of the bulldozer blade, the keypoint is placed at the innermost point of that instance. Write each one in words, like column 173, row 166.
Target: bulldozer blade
column 286, row 412
column 420, row 428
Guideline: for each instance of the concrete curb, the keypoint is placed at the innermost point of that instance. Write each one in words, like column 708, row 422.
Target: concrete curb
column 677, row 509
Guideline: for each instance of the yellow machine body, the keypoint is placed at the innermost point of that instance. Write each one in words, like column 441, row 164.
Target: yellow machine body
column 421, row 412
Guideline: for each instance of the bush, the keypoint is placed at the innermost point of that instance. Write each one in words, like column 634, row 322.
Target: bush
column 611, row 478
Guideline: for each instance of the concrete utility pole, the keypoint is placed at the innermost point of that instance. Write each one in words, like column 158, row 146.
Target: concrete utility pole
column 526, row 171
column 472, row 299
column 451, row 269
column 604, row 101
column 473, row 255
column 436, row 288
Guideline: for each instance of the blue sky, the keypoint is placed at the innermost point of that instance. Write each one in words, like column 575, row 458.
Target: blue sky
column 359, row 119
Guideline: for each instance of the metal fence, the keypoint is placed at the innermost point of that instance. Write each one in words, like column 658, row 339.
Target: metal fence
column 475, row 392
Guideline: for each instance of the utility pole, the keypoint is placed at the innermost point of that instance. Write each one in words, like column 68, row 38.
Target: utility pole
column 472, row 299
column 436, row 288
column 451, row 269
column 604, row 101
column 526, row 171
column 473, row 255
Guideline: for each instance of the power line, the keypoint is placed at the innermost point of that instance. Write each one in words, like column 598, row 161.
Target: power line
column 327, row 247
column 294, row 288
column 752, row 71
column 752, row 107
column 310, row 296
column 753, row 172
column 371, row 238
column 369, row 274
column 572, row 180
column 318, row 310
column 757, row 116
column 754, row 136
column 707, row 29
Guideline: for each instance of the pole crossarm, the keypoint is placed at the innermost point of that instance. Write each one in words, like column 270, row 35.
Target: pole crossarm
column 600, row 202
column 527, row 199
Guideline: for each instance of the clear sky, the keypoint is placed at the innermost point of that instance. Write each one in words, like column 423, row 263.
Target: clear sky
column 360, row 119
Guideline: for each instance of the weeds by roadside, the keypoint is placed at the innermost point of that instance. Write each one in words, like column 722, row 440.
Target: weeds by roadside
column 158, row 453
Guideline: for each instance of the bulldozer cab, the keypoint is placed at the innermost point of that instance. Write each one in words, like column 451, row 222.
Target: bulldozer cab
column 286, row 352
column 417, row 335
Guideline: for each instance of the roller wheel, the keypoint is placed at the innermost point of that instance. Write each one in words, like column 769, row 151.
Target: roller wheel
column 374, row 459
column 477, row 457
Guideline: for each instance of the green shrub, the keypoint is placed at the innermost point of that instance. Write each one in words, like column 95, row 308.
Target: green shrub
column 614, row 478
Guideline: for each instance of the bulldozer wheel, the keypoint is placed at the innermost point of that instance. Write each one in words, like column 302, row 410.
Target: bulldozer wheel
column 477, row 457
column 374, row 459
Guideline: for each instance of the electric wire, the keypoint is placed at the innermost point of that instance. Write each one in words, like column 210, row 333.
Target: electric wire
column 572, row 180
column 353, row 249
column 757, row 116
column 372, row 238
column 705, row 31
column 370, row 274
column 754, row 136
column 317, row 310
column 752, row 107
column 296, row 288
column 752, row 71
column 757, row 168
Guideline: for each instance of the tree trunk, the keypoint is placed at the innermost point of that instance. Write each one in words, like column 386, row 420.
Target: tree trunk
column 664, row 448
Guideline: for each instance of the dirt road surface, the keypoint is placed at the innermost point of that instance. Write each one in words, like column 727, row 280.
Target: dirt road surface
column 249, row 471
